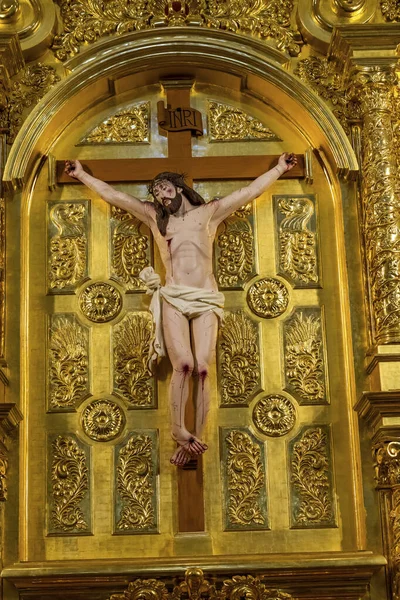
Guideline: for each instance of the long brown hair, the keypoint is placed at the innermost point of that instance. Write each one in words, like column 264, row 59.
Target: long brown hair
column 178, row 181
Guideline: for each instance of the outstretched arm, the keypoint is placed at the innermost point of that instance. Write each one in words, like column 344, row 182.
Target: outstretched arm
column 141, row 210
column 226, row 206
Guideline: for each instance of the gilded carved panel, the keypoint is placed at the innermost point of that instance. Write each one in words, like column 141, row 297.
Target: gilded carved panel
column 133, row 380
column 227, row 123
column 305, row 364
column 297, row 241
column 131, row 249
column 128, row 126
column 136, row 498
column 244, row 480
column 68, row 243
column 311, row 479
column 235, row 250
column 238, row 360
column 68, row 363
column 68, row 486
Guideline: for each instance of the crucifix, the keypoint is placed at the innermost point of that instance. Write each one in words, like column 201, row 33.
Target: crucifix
column 179, row 119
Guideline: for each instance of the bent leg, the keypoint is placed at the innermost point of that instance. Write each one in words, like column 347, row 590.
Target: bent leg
column 177, row 340
column 204, row 339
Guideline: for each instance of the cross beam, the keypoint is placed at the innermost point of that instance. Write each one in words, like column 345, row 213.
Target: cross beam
column 197, row 168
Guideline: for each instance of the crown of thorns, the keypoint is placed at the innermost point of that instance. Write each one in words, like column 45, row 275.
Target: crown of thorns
column 177, row 179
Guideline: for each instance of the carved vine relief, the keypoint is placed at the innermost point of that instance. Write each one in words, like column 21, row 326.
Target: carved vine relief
column 136, row 508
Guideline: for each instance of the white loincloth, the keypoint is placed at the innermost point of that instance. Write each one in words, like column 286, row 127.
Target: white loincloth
column 190, row 301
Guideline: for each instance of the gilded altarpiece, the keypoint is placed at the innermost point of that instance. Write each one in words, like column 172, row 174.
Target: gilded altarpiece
column 96, row 320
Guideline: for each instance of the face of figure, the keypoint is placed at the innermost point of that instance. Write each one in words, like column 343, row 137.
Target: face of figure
column 168, row 195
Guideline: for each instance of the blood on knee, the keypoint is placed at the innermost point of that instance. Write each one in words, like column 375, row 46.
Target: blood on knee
column 203, row 374
column 186, row 368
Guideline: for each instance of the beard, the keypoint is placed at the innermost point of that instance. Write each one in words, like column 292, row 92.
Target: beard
column 174, row 205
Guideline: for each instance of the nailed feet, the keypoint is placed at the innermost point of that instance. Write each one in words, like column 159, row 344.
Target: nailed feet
column 188, row 448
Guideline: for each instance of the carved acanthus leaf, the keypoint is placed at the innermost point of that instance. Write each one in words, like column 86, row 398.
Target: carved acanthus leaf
column 245, row 481
column 304, row 357
column 85, row 21
column 128, row 126
column 323, row 77
column 136, row 485
column 235, row 253
column 227, row 123
column 70, row 485
column 130, row 249
column 132, row 376
column 68, row 363
column 26, row 91
column 297, row 243
column 312, row 490
column 238, row 360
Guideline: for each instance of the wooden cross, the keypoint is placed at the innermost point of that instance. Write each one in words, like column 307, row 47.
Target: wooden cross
column 180, row 160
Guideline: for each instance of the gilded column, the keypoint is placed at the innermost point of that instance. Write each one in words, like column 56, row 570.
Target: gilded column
column 387, row 470
column 380, row 204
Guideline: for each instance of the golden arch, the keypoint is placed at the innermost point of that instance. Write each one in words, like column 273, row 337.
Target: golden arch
column 258, row 66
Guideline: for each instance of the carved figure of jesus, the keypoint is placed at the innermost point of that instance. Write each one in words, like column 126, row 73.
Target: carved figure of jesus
column 184, row 227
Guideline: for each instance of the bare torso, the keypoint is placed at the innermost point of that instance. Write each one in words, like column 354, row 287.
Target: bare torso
column 187, row 248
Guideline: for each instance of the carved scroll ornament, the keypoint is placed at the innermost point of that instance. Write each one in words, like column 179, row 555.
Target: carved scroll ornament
column 312, row 494
column 195, row 586
column 387, row 475
column 130, row 249
column 136, row 485
column 235, row 251
column 67, row 264
column 244, row 481
column 227, row 124
column 69, row 484
column 297, row 243
column 86, row 20
column 129, row 126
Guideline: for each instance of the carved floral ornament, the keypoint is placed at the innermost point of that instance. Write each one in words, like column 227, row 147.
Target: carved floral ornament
column 102, row 420
column 31, row 84
column 227, row 124
column 100, row 302
column 268, row 298
column 85, row 21
column 196, row 586
column 274, row 415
